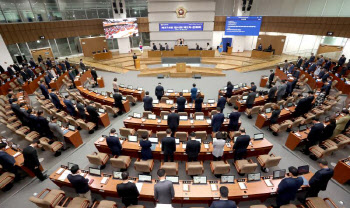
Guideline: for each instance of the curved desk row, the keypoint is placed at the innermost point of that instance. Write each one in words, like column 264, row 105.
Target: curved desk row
column 162, row 125
column 104, row 100
column 33, row 85
column 175, row 95
column 264, row 119
column 133, row 149
column 139, row 94
column 238, row 91
column 189, row 108
column 196, row 193
column 82, row 78
column 242, row 106
column 57, row 84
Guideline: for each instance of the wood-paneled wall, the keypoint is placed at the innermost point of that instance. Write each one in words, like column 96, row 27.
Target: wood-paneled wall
column 27, row 32
column 277, row 42
column 92, row 44
column 143, row 24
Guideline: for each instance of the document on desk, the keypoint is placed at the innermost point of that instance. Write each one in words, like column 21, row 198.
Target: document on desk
column 213, row 187
column 183, row 146
column 268, row 183
column 17, row 154
column 208, row 121
column 60, row 171
column 139, row 186
column 206, row 146
column 104, row 180
column 185, row 187
column 102, row 139
column 305, row 181
column 64, row 175
column 242, row 185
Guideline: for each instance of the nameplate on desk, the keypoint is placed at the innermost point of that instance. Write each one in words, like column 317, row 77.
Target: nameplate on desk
column 297, row 134
column 186, row 198
column 206, row 146
column 185, row 187
column 230, row 152
column 213, row 187
column 268, row 183
column 245, row 196
column 242, row 185
column 17, row 154
column 252, row 150
column 60, row 171
column 142, row 124
column 101, row 190
column 101, row 139
column 104, row 180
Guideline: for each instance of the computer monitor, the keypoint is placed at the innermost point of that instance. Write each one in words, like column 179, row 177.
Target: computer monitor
column 152, row 116
column 170, row 91
column 104, row 93
column 122, row 85
column 153, row 139
column 183, row 118
column 174, row 179
column 132, row 138
column 70, row 165
column 211, row 101
column 59, row 123
column 199, row 117
column 101, row 110
column 155, row 101
column 185, row 91
column 136, row 115
column 71, row 127
column 130, row 87
column 254, row 177
column 139, row 88
column 95, row 171
column 117, row 175
column 268, row 110
column 235, row 87
column 304, row 169
column 169, row 102
column 289, row 104
column 259, row 136
column 145, row 178
column 227, row 179
column 48, row 118
column 278, row 174
column 245, row 97
column 302, row 128
column 165, row 117
column 199, row 179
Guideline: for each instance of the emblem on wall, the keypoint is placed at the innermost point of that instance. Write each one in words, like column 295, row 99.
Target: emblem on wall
column 181, row 12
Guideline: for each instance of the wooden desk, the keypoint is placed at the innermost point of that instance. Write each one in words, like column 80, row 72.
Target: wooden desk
column 74, row 138
column 100, row 82
column 208, row 53
column 194, row 53
column 263, row 81
column 189, row 108
column 234, row 92
column 154, row 54
column 261, row 54
column 198, row 125
column 31, row 87
column 103, row 56
column 133, row 149
column 135, row 93
column 5, row 87
column 181, row 50
column 342, row 171
column 104, row 120
column 20, row 161
column 57, row 84
column 264, row 119
column 196, row 194
column 80, row 80
column 101, row 99
column 175, row 95
column 229, row 50
column 258, row 101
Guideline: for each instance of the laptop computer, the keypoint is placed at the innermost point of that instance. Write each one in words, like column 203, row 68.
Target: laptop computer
column 145, row 178
column 199, row 180
column 174, row 179
column 302, row 128
column 245, row 97
column 199, row 117
column 132, row 138
column 152, row 116
column 268, row 110
column 130, row 87
column 254, row 177
column 227, row 179
column 211, row 101
column 235, row 87
column 95, row 171
column 136, row 115
column 169, row 102
column 155, row 101
column 278, row 174
column 170, row 91
column 185, row 91
column 259, row 136
column 117, row 175
column 304, row 169
column 183, row 118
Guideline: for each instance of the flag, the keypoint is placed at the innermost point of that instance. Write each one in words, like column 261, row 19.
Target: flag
column 221, row 48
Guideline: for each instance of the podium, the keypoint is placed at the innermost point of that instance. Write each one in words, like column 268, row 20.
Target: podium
column 229, row 50
column 100, row 82
column 263, row 81
column 180, row 67
column 181, row 50
column 137, row 64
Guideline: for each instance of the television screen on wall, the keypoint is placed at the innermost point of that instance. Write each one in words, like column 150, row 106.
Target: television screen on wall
column 120, row 28
column 243, row 26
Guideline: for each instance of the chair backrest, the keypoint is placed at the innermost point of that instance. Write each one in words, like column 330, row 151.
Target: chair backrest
column 249, row 168
column 334, row 83
column 98, row 105
column 182, row 136
column 198, row 114
column 194, row 168
column 45, row 143
column 142, row 166
column 72, row 121
column 233, row 99
column 297, row 122
column 94, row 159
column 308, row 119
column 146, row 113
column 183, row 114
column 202, row 135
column 266, row 106
column 329, row 151
column 283, row 127
column 163, row 113
column 221, row 168
column 109, row 109
column 244, row 94
column 213, row 112
column 130, row 98
column 255, row 110
column 272, row 161
column 125, row 132
column 83, row 125
column 281, row 102
column 116, row 163
column 302, row 76
column 305, row 80
column 164, row 99
column 160, row 135
column 141, row 132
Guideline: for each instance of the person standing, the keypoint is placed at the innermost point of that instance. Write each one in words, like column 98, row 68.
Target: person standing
column 81, row 110
column 115, row 85
column 253, row 87
column 113, row 143
column 8, row 162
column 193, row 93
column 193, row 147
column 281, row 90
column 31, row 160
column 146, row 152
column 159, row 91
column 82, row 65
column 217, row 120
column 241, row 144
column 79, row 183
column 181, row 102
column 271, row 77
column 173, row 121
column 168, row 146
column 94, row 76
column 229, row 89
column 57, row 132
column 92, row 111
column 69, row 105
column 341, row 123
column 274, row 116
column 44, row 90
column 147, row 102
column 288, row 187
column 223, row 202
column 314, row 135
column 164, row 189
column 55, row 100
column 234, row 119
column 118, row 101
column 43, row 125
column 198, row 103
column 221, row 103
column 250, row 99
column 218, row 146
column 272, row 92
column 67, row 64
column 127, row 190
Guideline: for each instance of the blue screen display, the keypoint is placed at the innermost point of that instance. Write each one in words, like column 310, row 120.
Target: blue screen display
column 243, row 26
column 180, row 27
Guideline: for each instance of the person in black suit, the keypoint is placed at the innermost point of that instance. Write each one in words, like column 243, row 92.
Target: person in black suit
column 181, row 102
column 217, row 120
column 272, row 92
column 147, row 102
column 319, row 181
column 10, row 71
column 47, row 80
column 229, row 88
column 127, row 190
column 299, row 62
column 48, row 62
column 69, row 105
column 16, row 109
column 55, row 100
column 250, row 100
column 32, row 119
column 58, row 70
column 71, row 76
column 296, row 73
column 289, row 89
column 154, row 47
column 253, row 87
column 79, row 183
column 168, row 146
column 8, row 162
column 223, row 202
column 29, row 72
column 16, row 67
column 314, row 135
column 193, row 147
column 67, row 64
column 221, row 103
column 94, row 76
column 43, row 125
column 198, row 102
column 81, row 110
column 274, row 116
column 146, row 152
column 309, row 103
column 114, row 143
column 94, row 116
column 341, row 60
column 104, row 50
column 300, row 109
column 241, row 144
column 328, row 130
column 63, row 67
column 173, row 121
column 82, row 65
column 31, row 160
column 159, row 91
column 118, row 101
column 271, row 77
column 234, row 120
column 2, row 71
column 24, row 75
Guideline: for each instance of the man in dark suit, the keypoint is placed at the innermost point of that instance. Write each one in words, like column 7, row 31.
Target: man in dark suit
column 314, row 135
column 288, row 187
column 79, row 183
column 321, row 74
column 24, row 75
column 291, row 67
column 43, row 125
column 94, row 75
column 168, row 146
column 16, row 67
column 58, row 70
column 2, row 70
column 82, row 65
column 104, row 50
column 32, row 63
column 272, row 93
column 29, row 72
column 221, row 103
column 223, row 202
column 250, row 99
column 71, row 76
column 181, row 102
column 300, row 109
column 48, row 62
column 319, row 181
column 241, row 144
column 92, row 111
column 234, row 119
column 217, row 120
column 31, row 160
column 81, row 110
column 173, row 121
column 55, row 100
column 47, row 81
column 253, row 87
column 309, row 103
column 271, row 77
column 147, row 102
column 327, row 87
column 67, row 64
column 118, row 103
column 312, row 68
column 159, row 91
column 154, row 47
column 69, row 105
column 341, row 60
column 328, row 64
column 17, row 109
column 8, row 162
column 289, row 89
column 306, row 64
column 63, row 67
column 299, row 62
column 127, row 190
column 193, row 147
column 312, row 57
column 296, row 73
column 114, row 143
column 325, row 77
column 11, row 71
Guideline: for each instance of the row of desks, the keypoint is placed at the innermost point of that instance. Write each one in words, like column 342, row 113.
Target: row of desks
column 264, row 119
column 242, row 106
column 196, row 193
column 57, row 84
column 183, row 53
column 139, row 94
column 189, row 108
column 238, row 91
column 342, row 171
column 175, row 95
column 133, row 149
column 32, row 86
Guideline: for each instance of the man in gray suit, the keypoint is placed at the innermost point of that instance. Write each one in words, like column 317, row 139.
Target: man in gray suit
column 57, row 131
column 164, row 189
column 281, row 90
column 250, row 99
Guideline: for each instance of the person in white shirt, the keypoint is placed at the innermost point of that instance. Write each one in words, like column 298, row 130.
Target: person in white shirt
column 115, row 85
column 317, row 71
column 208, row 46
